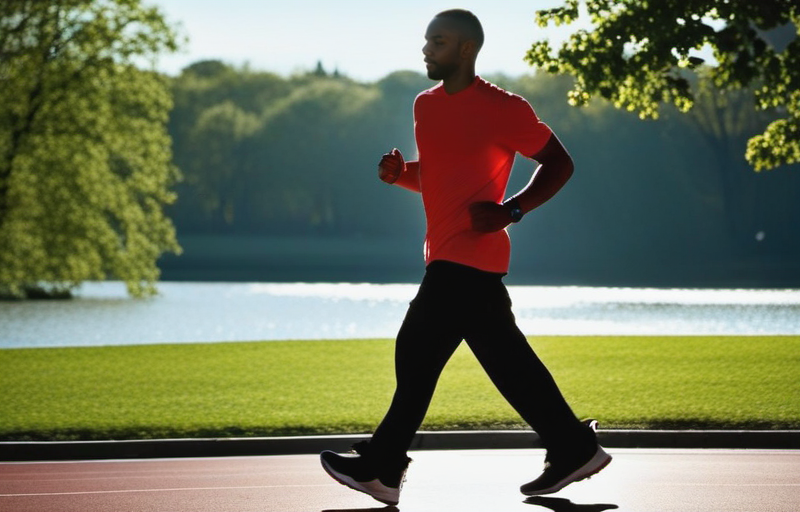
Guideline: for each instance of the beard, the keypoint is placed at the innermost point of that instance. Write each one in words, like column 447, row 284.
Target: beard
column 441, row 71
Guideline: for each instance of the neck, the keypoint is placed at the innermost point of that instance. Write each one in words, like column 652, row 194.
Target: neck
column 459, row 80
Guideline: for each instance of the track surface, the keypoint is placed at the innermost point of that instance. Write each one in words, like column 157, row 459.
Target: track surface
column 638, row 480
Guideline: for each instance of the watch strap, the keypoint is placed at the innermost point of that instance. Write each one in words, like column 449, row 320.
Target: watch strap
column 514, row 209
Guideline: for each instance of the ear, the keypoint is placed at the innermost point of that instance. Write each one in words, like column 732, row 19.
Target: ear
column 468, row 50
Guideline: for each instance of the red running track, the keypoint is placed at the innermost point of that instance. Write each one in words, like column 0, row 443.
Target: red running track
column 637, row 480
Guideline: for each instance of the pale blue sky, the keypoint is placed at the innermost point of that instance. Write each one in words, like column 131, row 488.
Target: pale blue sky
column 364, row 39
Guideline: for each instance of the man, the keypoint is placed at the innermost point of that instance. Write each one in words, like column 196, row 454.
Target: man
column 468, row 132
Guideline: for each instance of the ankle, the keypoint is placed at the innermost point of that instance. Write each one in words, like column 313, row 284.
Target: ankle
column 385, row 458
column 581, row 444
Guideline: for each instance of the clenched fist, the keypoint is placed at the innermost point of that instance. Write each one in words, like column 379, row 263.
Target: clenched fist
column 488, row 217
column 391, row 166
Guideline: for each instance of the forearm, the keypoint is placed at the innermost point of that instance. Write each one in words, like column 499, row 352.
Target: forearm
column 555, row 169
column 409, row 178
column 545, row 183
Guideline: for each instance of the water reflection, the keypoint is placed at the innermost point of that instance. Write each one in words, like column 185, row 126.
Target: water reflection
column 209, row 312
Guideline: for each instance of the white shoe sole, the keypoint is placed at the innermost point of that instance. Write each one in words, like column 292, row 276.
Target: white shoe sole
column 374, row 488
column 595, row 464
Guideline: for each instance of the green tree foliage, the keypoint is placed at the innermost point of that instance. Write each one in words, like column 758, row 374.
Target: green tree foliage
column 217, row 141
column 85, row 159
column 638, row 55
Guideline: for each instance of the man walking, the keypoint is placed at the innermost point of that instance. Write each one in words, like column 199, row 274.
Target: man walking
column 468, row 132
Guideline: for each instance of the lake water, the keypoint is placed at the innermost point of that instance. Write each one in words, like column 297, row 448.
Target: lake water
column 102, row 314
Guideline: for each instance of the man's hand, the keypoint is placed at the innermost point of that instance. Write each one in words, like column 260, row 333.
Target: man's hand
column 391, row 166
column 488, row 217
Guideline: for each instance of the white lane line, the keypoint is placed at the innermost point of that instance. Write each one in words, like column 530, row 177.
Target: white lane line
column 710, row 484
column 176, row 489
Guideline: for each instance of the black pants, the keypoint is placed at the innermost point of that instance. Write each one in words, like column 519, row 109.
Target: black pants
column 456, row 303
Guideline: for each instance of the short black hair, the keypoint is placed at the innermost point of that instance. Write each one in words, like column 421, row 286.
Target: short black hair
column 468, row 21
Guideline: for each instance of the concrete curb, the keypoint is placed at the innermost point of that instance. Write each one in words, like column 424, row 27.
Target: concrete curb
column 451, row 440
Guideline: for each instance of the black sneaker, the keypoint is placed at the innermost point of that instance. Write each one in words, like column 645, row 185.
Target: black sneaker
column 566, row 468
column 361, row 471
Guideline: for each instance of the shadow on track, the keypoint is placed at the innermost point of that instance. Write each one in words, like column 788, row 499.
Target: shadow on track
column 564, row 505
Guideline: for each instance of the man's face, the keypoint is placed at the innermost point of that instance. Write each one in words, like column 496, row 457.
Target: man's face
column 442, row 49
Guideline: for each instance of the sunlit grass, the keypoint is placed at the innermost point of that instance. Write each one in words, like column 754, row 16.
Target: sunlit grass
column 301, row 387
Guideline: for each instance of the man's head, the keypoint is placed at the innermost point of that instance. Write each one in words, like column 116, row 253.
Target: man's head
column 452, row 43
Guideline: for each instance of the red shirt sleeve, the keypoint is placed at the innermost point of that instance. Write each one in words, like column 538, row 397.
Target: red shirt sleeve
column 409, row 179
column 524, row 132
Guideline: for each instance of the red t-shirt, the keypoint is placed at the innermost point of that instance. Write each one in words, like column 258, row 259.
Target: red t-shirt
column 467, row 143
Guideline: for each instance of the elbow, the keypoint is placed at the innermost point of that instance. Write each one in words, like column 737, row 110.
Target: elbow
column 561, row 162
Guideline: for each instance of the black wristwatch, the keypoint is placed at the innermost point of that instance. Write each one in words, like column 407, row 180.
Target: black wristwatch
column 514, row 210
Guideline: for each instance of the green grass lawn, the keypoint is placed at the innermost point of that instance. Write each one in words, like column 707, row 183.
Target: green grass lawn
column 303, row 387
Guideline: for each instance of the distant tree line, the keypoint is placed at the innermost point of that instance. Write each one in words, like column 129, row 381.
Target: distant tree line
column 265, row 155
